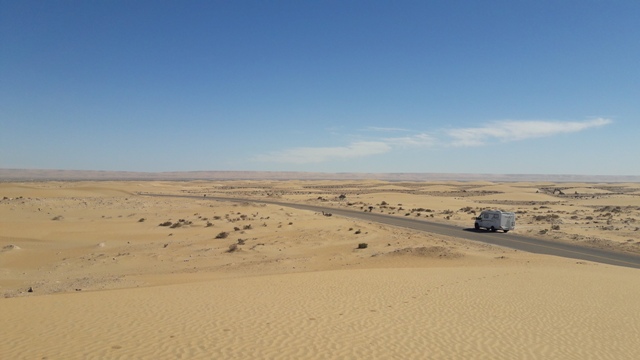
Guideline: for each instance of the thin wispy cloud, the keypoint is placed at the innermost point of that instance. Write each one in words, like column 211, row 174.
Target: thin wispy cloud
column 305, row 155
column 501, row 131
column 512, row 130
column 418, row 140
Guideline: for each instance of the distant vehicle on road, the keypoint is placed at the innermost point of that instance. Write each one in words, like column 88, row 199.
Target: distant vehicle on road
column 494, row 220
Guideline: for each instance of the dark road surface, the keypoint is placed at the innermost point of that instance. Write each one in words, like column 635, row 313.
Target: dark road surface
column 513, row 241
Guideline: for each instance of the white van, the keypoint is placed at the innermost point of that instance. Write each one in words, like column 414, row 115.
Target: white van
column 493, row 220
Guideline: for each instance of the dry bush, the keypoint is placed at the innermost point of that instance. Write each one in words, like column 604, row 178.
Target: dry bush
column 222, row 235
column 548, row 217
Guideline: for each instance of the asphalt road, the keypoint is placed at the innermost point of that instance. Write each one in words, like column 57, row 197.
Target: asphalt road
column 513, row 241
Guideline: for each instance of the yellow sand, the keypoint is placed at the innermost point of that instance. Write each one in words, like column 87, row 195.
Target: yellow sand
column 108, row 284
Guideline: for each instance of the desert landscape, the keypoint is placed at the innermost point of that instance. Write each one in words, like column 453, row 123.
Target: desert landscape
column 109, row 269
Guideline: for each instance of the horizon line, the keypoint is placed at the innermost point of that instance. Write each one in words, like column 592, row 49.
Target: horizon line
column 125, row 175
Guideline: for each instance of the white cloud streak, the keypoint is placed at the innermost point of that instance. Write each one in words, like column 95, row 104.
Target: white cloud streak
column 511, row 130
column 419, row 140
column 305, row 155
column 502, row 131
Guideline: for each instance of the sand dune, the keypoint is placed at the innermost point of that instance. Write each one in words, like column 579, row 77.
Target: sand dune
column 86, row 271
column 555, row 310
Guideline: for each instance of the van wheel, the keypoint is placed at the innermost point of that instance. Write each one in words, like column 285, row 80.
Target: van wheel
column 476, row 226
column 505, row 231
column 493, row 229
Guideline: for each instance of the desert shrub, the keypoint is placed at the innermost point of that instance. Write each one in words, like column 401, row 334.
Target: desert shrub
column 543, row 231
column 555, row 227
column 235, row 228
column 362, row 246
column 241, row 241
column 615, row 209
column 384, row 203
column 209, row 224
column 358, row 232
column 217, row 217
column 57, row 218
column 232, row 248
column 166, row 223
column 222, row 235
column 176, row 225
column 548, row 217
column 247, row 227
column 141, row 220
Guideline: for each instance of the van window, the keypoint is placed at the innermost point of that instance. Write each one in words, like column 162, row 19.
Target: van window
column 495, row 216
column 486, row 216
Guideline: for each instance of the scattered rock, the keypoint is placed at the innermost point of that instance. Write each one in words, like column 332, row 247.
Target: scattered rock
column 11, row 247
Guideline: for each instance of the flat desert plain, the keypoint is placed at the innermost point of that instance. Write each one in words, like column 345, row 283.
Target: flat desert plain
column 105, row 270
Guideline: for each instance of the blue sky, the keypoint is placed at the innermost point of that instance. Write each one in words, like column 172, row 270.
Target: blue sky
column 507, row 87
